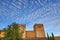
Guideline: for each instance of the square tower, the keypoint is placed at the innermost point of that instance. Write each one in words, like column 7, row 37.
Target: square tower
column 23, row 29
column 39, row 30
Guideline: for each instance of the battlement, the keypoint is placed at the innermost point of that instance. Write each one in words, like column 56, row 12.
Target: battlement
column 37, row 26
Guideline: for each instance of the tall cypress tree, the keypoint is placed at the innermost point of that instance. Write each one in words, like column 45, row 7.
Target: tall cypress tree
column 48, row 36
column 53, row 36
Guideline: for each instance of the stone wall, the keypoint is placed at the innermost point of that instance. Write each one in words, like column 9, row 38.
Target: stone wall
column 56, row 38
column 30, row 34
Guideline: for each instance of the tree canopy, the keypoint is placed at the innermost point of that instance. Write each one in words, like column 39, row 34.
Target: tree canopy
column 12, row 32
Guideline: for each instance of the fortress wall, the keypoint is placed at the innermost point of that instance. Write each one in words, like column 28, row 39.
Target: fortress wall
column 43, row 38
column 30, row 34
column 57, row 38
column 36, row 33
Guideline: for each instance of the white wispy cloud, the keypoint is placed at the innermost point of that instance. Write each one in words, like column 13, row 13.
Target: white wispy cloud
column 48, row 13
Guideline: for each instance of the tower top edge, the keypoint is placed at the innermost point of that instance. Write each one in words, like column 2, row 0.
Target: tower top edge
column 37, row 24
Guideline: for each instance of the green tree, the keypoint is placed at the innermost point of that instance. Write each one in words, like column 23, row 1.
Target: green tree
column 53, row 36
column 12, row 32
column 48, row 38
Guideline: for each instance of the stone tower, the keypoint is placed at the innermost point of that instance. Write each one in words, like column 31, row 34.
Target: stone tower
column 39, row 30
column 23, row 29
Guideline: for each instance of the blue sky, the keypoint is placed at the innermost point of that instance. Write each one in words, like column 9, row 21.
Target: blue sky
column 29, row 12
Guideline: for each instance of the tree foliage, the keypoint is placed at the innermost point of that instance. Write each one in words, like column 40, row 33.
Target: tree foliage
column 53, row 37
column 50, row 37
column 12, row 32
